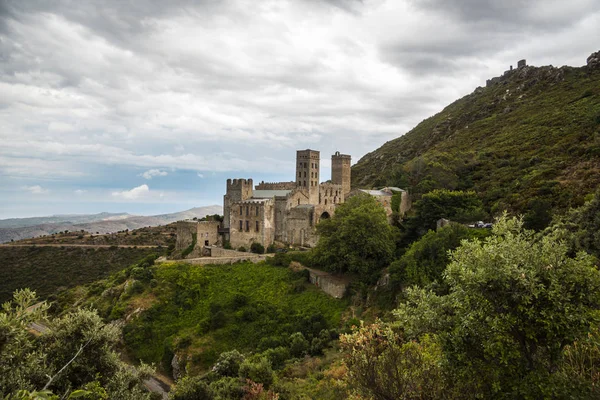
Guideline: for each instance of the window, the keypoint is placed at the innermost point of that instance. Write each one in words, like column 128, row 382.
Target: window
column 304, row 183
column 240, row 210
column 256, row 226
column 257, row 212
column 241, row 225
column 247, row 210
column 299, row 174
column 305, row 174
column 247, row 226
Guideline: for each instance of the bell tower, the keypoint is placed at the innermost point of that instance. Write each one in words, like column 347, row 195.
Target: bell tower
column 307, row 173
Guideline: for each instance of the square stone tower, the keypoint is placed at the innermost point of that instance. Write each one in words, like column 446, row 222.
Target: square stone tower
column 307, row 173
column 340, row 171
column 237, row 190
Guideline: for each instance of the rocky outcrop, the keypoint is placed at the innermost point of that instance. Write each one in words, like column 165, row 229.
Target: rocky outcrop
column 593, row 61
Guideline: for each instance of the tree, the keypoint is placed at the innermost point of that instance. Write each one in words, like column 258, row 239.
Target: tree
column 358, row 238
column 456, row 205
column 426, row 259
column 76, row 354
column 516, row 302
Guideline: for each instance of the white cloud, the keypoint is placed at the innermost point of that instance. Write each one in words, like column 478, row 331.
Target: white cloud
column 36, row 189
column 200, row 175
column 79, row 192
column 153, row 172
column 133, row 194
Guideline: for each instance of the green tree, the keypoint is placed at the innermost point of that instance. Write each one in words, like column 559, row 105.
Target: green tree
column 516, row 302
column 426, row 259
column 76, row 356
column 455, row 205
column 358, row 238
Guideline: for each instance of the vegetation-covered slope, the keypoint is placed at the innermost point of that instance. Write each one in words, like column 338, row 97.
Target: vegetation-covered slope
column 531, row 138
column 45, row 269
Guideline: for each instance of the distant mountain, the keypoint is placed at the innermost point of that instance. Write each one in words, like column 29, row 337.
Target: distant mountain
column 23, row 228
column 55, row 219
column 529, row 139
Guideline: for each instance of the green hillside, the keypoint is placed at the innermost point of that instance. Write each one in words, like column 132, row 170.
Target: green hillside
column 46, row 269
column 532, row 137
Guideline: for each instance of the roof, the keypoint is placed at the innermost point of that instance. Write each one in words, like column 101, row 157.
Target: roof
column 267, row 194
column 305, row 206
column 395, row 189
column 376, row 192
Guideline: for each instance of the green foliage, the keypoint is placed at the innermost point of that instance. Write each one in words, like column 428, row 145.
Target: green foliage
column 227, row 307
column 426, row 259
column 257, row 370
column 75, row 356
column 455, row 205
column 515, row 302
column 46, row 269
column 356, row 239
column 186, row 252
column 508, row 142
column 584, row 226
column 298, row 344
column 228, row 363
column 191, row 388
column 382, row 365
column 257, row 248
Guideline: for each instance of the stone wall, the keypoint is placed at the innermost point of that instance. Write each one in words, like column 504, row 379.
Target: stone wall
column 185, row 231
column 330, row 193
column 340, row 171
column 208, row 233
column 275, row 186
column 332, row 285
column 299, row 226
column 252, row 221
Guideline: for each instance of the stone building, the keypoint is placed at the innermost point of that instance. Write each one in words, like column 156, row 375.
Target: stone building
column 286, row 212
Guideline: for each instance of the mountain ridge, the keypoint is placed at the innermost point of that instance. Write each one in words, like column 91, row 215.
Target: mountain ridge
column 533, row 133
column 107, row 225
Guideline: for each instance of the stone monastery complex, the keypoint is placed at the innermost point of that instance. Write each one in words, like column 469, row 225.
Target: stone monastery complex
column 285, row 212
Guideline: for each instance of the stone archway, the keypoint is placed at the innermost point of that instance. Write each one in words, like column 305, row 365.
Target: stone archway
column 325, row 215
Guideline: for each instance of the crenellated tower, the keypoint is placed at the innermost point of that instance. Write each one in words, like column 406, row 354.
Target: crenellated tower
column 237, row 190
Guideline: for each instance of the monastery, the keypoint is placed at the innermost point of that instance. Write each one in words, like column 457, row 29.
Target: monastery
column 285, row 212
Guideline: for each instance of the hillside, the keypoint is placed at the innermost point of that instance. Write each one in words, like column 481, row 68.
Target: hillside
column 531, row 137
column 46, row 269
column 106, row 225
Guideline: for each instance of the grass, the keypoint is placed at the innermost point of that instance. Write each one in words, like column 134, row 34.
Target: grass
column 204, row 311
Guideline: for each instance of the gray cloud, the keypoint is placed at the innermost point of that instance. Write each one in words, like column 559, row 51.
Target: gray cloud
column 235, row 87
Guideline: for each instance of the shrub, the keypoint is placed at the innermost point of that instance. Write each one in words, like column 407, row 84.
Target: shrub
column 298, row 344
column 257, row 248
column 258, row 371
column 228, row 363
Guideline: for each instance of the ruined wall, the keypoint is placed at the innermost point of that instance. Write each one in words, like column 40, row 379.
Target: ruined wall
column 405, row 203
column 252, row 221
column 208, row 233
column 280, row 211
column 185, row 231
column 275, row 186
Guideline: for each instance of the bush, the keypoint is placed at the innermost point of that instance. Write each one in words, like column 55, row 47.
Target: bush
column 242, row 249
column 228, row 363
column 189, row 388
column 258, row 371
column 257, row 248
column 298, row 345
column 271, row 248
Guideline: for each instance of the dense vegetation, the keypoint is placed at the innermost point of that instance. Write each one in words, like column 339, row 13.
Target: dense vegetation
column 46, row 269
column 520, row 320
column 529, row 142
column 75, row 357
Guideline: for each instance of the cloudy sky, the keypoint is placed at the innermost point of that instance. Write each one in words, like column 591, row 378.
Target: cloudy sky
column 148, row 106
